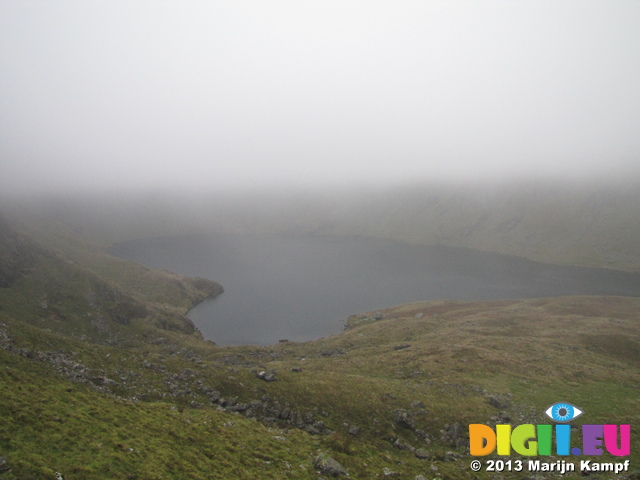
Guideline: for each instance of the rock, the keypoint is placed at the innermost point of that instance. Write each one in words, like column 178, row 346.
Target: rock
column 453, row 433
column 387, row 472
column 3, row 465
column 274, row 410
column 378, row 316
column 312, row 430
column 286, row 413
column 452, row 456
column 402, row 444
column 494, row 402
column 102, row 380
column 267, row 376
column 296, row 369
column 402, row 347
column 419, row 477
column 419, row 315
column 328, row 466
column 240, row 407
column 354, row 430
column 404, row 419
column 422, row 453
column 417, row 405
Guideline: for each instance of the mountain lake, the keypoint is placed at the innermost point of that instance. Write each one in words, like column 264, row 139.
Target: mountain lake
column 303, row 287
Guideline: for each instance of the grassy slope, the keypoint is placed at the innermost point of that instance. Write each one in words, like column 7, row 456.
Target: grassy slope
column 139, row 406
column 553, row 223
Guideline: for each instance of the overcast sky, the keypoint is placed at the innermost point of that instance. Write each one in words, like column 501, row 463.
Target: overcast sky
column 237, row 94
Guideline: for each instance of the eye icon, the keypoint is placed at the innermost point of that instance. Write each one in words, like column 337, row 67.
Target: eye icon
column 563, row 412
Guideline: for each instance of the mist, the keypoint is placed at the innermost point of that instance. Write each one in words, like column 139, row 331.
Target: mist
column 246, row 95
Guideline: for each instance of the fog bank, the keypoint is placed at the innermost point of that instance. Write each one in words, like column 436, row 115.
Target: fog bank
column 243, row 95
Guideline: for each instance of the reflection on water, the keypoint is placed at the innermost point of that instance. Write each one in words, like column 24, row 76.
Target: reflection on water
column 304, row 287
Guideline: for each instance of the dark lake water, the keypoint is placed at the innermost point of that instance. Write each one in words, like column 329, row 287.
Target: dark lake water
column 304, row 287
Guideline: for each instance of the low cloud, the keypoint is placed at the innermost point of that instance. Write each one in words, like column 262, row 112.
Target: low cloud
column 234, row 96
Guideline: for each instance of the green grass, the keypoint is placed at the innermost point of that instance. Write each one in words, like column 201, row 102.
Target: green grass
column 453, row 366
column 52, row 425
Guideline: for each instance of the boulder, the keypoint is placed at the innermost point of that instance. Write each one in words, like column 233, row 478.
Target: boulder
column 404, row 419
column 328, row 466
column 214, row 396
column 402, row 444
column 422, row 453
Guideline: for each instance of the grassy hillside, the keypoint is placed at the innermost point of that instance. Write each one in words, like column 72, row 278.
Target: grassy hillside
column 578, row 224
column 102, row 376
column 64, row 283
